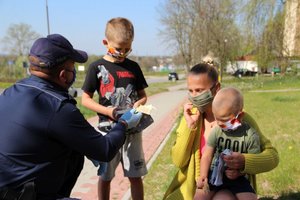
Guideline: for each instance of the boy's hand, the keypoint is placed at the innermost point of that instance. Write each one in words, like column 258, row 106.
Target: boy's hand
column 136, row 104
column 131, row 118
column 110, row 112
column 191, row 118
column 201, row 182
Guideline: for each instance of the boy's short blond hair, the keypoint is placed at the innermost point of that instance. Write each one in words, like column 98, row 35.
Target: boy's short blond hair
column 119, row 30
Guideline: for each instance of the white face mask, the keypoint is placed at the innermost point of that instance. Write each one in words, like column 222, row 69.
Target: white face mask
column 231, row 124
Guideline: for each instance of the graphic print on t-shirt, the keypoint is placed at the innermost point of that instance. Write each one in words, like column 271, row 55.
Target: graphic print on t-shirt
column 107, row 86
column 120, row 97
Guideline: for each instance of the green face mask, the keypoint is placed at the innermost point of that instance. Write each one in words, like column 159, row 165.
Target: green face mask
column 202, row 100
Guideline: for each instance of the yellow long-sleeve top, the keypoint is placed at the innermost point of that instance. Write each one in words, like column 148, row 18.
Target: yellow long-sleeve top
column 186, row 156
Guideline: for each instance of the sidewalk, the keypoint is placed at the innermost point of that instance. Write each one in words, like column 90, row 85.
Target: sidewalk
column 167, row 105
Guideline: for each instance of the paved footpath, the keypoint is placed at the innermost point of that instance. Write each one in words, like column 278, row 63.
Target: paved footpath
column 168, row 105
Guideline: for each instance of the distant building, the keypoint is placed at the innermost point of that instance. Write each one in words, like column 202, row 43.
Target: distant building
column 245, row 63
column 291, row 40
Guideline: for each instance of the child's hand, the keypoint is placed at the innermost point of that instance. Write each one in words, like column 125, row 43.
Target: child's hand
column 136, row 104
column 202, row 181
column 110, row 112
column 191, row 118
column 202, row 189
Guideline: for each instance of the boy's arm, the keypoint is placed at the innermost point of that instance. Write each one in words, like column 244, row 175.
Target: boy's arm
column 142, row 98
column 88, row 102
column 206, row 161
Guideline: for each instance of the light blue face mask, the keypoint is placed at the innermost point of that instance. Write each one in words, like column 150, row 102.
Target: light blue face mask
column 202, row 100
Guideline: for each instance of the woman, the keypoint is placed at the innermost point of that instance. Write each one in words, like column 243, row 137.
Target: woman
column 194, row 128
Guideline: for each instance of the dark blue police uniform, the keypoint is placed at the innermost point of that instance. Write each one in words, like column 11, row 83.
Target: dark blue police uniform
column 40, row 129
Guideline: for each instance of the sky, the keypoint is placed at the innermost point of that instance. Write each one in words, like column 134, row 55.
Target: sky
column 83, row 22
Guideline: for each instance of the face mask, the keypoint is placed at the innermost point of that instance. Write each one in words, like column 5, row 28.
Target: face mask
column 116, row 54
column 231, row 124
column 202, row 100
column 74, row 77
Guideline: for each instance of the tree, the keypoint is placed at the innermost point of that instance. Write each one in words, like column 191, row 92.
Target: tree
column 196, row 27
column 19, row 38
column 218, row 30
column 179, row 20
column 270, row 49
column 266, row 22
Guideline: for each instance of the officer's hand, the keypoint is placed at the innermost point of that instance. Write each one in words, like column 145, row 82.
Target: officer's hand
column 131, row 118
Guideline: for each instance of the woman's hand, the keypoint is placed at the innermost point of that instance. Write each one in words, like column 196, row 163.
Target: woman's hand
column 191, row 118
column 235, row 161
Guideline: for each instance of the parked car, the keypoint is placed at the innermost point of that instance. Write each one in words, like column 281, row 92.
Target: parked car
column 243, row 72
column 173, row 76
column 276, row 70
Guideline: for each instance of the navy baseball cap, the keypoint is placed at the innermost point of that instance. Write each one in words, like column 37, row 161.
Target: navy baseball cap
column 54, row 50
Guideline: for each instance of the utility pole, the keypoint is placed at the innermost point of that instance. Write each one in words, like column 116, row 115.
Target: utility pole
column 223, row 61
column 48, row 25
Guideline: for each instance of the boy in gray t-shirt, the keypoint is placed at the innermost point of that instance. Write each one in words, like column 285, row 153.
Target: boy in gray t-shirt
column 231, row 134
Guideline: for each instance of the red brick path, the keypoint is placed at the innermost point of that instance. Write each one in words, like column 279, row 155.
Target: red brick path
column 152, row 138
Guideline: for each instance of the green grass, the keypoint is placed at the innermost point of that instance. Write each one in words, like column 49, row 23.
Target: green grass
column 263, row 82
column 5, row 84
column 278, row 116
column 155, row 88
column 87, row 113
column 161, row 173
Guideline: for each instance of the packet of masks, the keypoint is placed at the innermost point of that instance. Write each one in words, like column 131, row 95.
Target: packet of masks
column 146, row 119
column 146, row 109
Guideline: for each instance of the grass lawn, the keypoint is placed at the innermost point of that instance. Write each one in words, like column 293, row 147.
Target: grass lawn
column 278, row 116
column 5, row 84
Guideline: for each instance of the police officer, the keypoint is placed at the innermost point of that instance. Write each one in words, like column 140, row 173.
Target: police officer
column 43, row 135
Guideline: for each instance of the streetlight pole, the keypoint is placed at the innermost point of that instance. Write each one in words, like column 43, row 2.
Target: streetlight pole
column 48, row 25
column 223, row 61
